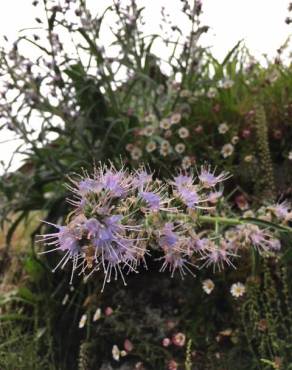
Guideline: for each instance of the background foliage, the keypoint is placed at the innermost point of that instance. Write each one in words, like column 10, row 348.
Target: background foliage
column 79, row 102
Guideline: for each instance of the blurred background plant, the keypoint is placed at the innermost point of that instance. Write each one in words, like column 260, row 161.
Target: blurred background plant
column 79, row 102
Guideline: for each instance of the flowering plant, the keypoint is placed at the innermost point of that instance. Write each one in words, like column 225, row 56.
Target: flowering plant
column 119, row 216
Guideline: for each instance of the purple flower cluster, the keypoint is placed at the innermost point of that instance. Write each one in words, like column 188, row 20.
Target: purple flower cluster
column 177, row 250
column 208, row 178
column 118, row 215
column 262, row 240
column 201, row 193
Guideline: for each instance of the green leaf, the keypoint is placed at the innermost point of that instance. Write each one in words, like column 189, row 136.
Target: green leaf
column 15, row 316
column 256, row 221
column 34, row 268
column 27, row 294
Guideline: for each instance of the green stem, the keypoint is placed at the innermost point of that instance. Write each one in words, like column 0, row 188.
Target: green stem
column 253, row 262
column 216, row 227
column 243, row 221
column 217, row 221
column 220, row 220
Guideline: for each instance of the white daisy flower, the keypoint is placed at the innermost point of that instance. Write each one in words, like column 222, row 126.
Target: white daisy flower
column 148, row 131
column 225, row 83
column 136, row 153
column 167, row 134
column 164, row 151
column 151, row 146
column 223, row 128
column 129, row 147
column 165, row 124
column 183, row 133
column 212, row 92
column 180, row 148
column 248, row 158
column 175, row 118
column 165, row 144
column 116, row 353
column 234, row 140
column 237, row 290
column 208, row 286
column 248, row 214
column 186, row 163
column 150, row 118
column 227, row 150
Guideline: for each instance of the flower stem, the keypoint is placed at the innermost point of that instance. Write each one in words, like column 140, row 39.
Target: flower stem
column 219, row 220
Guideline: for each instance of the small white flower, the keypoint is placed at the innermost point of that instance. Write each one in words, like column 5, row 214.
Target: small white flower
column 175, row 118
column 165, row 144
column 164, row 151
column 248, row 158
column 212, row 92
column 208, row 286
column 237, row 290
column 183, row 132
column 223, row 128
column 186, row 163
column 148, row 131
column 167, row 134
column 225, row 83
column 82, row 321
column 290, row 155
column 165, row 124
column 151, row 146
column 235, row 140
column 136, row 153
column 227, row 150
column 97, row 314
column 123, row 353
column 116, row 353
column 249, row 213
column 150, row 118
column 180, row 148
column 129, row 147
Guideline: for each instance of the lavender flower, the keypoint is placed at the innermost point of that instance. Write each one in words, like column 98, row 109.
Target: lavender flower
column 214, row 196
column 117, row 212
column 185, row 189
column 260, row 239
column 168, row 238
column 142, row 179
column 217, row 255
column 281, row 210
column 67, row 240
column 150, row 192
column 87, row 186
column 152, row 199
column 208, row 178
column 173, row 260
column 115, row 182
column 176, row 251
